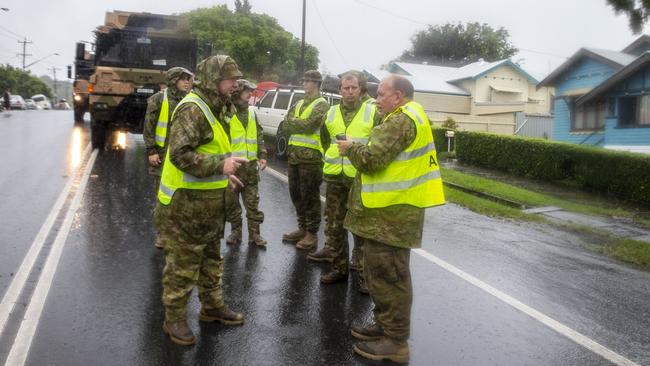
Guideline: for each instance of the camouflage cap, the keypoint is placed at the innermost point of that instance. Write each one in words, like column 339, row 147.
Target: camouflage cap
column 176, row 73
column 243, row 84
column 214, row 69
column 312, row 75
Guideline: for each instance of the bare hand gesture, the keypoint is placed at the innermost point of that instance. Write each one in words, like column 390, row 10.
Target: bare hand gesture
column 154, row 160
column 234, row 182
column 262, row 164
column 231, row 164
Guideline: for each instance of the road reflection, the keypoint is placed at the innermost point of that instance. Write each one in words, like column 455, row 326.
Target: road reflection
column 75, row 149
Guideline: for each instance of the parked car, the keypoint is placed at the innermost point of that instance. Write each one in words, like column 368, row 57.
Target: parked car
column 62, row 105
column 42, row 102
column 17, row 102
column 30, row 104
column 273, row 107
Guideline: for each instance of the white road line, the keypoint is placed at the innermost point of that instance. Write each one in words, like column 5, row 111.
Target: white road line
column 573, row 335
column 16, row 287
column 22, row 343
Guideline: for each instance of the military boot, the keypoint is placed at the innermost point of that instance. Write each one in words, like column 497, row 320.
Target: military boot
column 294, row 236
column 179, row 332
column 308, row 242
column 323, row 255
column 224, row 316
column 333, row 277
column 234, row 238
column 370, row 332
column 257, row 239
column 383, row 349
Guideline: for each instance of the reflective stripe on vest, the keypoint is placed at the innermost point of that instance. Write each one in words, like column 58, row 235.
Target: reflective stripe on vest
column 311, row 141
column 244, row 140
column 163, row 119
column 173, row 178
column 358, row 130
column 413, row 177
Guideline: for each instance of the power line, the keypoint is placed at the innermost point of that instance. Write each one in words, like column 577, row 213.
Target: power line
column 12, row 32
column 543, row 53
column 391, row 13
column 329, row 35
column 24, row 54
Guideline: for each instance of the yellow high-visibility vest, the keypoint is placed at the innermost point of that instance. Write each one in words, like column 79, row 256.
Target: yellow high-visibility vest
column 244, row 140
column 174, row 178
column 358, row 130
column 163, row 121
column 311, row 141
column 413, row 177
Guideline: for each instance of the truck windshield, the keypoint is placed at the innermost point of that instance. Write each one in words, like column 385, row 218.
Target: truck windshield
column 120, row 48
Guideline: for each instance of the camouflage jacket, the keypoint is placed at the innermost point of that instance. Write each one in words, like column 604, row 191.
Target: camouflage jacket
column 189, row 130
column 248, row 172
column 398, row 225
column 293, row 125
column 326, row 139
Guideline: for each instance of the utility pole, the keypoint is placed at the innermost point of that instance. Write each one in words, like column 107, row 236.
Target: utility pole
column 56, row 97
column 24, row 54
column 302, row 47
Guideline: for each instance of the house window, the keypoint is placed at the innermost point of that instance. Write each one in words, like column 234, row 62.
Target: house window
column 634, row 111
column 588, row 116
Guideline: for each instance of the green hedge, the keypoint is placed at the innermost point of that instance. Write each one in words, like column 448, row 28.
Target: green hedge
column 625, row 175
column 440, row 139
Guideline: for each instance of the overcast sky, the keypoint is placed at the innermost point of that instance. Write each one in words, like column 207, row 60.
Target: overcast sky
column 361, row 34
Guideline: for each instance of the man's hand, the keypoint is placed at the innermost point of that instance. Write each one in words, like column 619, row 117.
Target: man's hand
column 231, row 164
column 234, row 182
column 154, row 160
column 344, row 145
column 262, row 164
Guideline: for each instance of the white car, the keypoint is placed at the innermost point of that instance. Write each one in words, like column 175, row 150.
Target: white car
column 42, row 102
column 17, row 102
column 30, row 104
column 273, row 107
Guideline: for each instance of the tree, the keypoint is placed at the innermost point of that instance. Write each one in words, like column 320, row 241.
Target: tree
column 242, row 7
column 459, row 44
column 637, row 10
column 261, row 47
column 21, row 82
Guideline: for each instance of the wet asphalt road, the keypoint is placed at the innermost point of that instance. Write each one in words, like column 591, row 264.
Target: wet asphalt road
column 103, row 307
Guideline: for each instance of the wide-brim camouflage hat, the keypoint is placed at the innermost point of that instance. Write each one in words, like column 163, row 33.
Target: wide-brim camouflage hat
column 215, row 68
column 176, row 73
column 243, row 84
column 312, row 75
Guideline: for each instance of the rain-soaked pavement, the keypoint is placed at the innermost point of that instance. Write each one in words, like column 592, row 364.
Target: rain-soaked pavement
column 103, row 306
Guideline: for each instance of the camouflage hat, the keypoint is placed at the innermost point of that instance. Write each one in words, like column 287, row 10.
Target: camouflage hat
column 214, row 69
column 312, row 75
column 176, row 73
column 243, row 84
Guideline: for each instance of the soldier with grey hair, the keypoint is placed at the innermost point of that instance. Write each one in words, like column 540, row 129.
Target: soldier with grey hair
column 398, row 177
column 190, row 213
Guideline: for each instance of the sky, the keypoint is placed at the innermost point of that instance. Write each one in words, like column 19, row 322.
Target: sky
column 350, row 34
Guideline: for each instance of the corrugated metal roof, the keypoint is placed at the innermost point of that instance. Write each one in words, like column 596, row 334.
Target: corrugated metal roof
column 615, row 56
column 425, row 78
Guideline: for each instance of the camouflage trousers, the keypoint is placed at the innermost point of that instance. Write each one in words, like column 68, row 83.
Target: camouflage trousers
column 191, row 226
column 304, row 189
column 251, row 198
column 388, row 276
column 336, row 236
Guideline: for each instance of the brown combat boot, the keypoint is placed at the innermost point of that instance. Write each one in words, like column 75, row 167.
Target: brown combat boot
column 224, row 316
column 179, row 332
column 234, row 238
column 308, row 242
column 383, row 349
column 257, row 239
column 323, row 255
column 372, row 332
column 294, row 236
column 333, row 277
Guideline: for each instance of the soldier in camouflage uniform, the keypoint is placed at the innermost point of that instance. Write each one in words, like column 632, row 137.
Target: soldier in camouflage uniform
column 179, row 82
column 339, row 179
column 304, row 121
column 247, row 173
column 401, row 146
column 192, row 219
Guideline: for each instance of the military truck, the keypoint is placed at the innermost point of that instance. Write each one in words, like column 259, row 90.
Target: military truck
column 132, row 53
column 83, row 68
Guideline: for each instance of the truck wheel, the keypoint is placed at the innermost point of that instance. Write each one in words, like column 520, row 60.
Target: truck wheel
column 281, row 146
column 97, row 133
column 79, row 115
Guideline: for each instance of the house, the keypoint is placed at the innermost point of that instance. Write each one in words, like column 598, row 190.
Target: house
column 603, row 97
column 482, row 96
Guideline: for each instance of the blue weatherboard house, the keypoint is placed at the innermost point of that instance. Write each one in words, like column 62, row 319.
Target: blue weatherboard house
column 602, row 98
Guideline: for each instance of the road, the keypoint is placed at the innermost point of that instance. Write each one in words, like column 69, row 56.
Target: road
column 487, row 291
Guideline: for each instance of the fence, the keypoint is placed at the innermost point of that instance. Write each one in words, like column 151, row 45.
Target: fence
column 504, row 126
column 534, row 126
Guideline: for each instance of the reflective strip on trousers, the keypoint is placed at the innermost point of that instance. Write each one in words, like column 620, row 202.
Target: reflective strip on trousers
column 398, row 186
column 304, row 140
column 408, row 155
